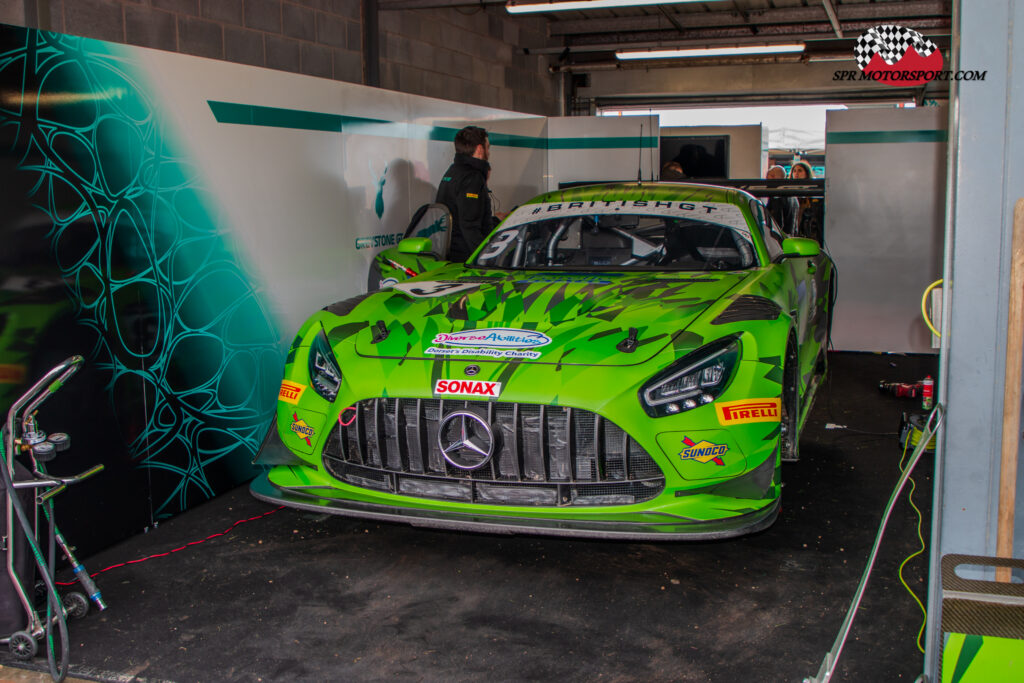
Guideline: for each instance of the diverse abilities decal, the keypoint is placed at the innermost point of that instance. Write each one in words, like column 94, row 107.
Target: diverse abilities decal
column 499, row 342
column 747, row 411
column 704, row 451
column 464, row 387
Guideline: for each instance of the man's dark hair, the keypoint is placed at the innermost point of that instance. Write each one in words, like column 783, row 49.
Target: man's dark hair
column 468, row 138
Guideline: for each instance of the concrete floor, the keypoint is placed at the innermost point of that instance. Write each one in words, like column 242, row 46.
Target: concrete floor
column 10, row 674
column 297, row 596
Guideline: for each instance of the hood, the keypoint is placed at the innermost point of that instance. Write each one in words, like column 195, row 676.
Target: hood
column 531, row 316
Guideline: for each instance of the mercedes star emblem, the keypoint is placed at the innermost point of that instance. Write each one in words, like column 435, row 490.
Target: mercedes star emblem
column 472, row 370
column 466, row 440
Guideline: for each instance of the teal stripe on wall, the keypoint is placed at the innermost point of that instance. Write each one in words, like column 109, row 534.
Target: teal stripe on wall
column 277, row 117
column 863, row 137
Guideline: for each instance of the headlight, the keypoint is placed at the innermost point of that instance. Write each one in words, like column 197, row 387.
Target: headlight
column 324, row 374
column 694, row 380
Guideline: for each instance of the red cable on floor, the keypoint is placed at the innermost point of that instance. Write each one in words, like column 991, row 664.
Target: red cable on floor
column 190, row 543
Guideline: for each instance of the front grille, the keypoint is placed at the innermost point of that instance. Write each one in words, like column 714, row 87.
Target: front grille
column 543, row 456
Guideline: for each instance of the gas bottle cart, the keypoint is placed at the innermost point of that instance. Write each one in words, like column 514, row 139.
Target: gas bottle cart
column 28, row 530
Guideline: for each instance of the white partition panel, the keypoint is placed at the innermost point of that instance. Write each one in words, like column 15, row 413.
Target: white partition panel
column 602, row 148
column 884, row 209
column 304, row 169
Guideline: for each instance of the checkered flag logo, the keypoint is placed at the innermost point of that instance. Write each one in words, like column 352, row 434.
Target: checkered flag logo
column 892, row 42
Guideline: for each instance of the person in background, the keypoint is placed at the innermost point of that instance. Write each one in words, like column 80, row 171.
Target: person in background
column 463, row 189
column 811, row 216
column 783, row 210
column 672, row 171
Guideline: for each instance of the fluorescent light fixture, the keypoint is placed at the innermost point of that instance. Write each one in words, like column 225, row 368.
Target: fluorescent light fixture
column 527, row 7
column 711, row 52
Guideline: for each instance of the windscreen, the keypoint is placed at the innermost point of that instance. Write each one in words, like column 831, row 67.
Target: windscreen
column 603, row 235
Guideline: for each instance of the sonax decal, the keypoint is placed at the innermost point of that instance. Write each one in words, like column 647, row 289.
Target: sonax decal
column 465, row 387
column 303, row 430
column 290, row 392
column 751, row 410
column 705, row 451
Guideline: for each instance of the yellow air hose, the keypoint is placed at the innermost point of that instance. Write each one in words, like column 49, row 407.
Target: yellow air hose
column 924, row 307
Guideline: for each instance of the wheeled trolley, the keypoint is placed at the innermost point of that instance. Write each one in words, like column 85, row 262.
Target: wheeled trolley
column 29, row 530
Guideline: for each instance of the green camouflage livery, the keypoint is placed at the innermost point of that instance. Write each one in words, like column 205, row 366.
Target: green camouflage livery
column 560, row 375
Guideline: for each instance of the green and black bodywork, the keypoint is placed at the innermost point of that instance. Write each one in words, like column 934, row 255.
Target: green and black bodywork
column 534, row 390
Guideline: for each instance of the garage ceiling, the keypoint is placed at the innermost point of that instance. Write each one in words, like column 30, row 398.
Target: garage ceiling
column 584, row 40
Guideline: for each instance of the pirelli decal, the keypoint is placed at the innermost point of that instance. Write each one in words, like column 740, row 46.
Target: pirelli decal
column 290, row 392
column 751, row 410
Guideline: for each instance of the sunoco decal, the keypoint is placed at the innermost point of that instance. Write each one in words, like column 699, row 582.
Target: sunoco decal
column 744, row 412
column 703, row 452
column 290, row 392
column 303, row 430
column 466, row 387
column 499, row 342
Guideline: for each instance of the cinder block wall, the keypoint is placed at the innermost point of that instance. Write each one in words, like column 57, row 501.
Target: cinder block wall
column 466, row 54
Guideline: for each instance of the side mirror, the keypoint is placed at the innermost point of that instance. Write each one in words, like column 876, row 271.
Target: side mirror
column 796, row 247
column 415, row 245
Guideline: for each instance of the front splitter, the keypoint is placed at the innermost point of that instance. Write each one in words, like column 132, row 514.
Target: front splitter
column 661, row 527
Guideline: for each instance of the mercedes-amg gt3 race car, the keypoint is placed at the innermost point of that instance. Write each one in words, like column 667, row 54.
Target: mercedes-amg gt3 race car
column 614, row 361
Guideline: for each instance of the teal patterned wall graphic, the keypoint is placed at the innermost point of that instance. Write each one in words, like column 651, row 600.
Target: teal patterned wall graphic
column 191, row 358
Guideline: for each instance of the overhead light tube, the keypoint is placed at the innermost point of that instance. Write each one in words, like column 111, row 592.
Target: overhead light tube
column 711, row 51
column 567, row 5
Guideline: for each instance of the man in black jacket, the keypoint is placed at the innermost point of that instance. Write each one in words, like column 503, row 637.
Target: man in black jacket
column 463, row 189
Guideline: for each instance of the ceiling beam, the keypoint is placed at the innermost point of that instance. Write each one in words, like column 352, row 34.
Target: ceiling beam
column 387, row 5
column 734, row 36
column 833, row 19
column 656, row 22
column 816, row 46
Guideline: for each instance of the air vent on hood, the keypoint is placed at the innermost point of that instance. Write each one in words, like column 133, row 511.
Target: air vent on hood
column 748, row 307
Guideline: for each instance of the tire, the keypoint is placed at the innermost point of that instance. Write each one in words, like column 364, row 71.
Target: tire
column 23, row 646
column 789, row 441
column 75, row 604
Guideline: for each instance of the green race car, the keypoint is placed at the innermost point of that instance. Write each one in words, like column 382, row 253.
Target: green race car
column 615, row 361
